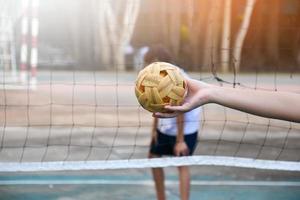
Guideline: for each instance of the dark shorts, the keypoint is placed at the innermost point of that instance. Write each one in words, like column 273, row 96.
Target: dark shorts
column 165, row 144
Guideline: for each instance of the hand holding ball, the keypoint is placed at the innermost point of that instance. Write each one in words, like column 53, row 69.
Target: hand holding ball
column 160, row 84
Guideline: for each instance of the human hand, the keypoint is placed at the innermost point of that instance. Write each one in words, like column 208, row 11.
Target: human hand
column 198, row 94
column 181, row 149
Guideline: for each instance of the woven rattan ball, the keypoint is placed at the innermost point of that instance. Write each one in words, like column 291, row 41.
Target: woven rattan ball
column 160, row 84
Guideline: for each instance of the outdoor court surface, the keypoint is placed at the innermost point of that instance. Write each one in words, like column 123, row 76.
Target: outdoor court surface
column 216, row 183
column 208, row 183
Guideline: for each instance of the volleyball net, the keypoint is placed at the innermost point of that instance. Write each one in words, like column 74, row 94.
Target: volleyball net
column 81, row 117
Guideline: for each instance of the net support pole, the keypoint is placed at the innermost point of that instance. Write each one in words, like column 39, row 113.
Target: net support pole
column 12, row 52
column 34, row 41
column 24, row 42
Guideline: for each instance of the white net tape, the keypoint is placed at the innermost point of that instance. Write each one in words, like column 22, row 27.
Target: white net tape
column 147, row 163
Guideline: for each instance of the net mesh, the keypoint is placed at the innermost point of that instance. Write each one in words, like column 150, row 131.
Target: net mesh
column 87, row 117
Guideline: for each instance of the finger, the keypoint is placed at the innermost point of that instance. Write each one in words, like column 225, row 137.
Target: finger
column 165, row 115
column 183, row 153
column 187, row 152
column 183, row 108
column 176, row 110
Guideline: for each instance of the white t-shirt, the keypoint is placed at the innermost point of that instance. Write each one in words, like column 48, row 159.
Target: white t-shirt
column 168, row 126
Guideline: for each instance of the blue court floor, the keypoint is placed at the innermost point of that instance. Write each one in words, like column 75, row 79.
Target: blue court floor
column 121, row 187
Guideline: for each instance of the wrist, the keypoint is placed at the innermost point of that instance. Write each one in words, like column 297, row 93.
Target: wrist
column 212, row 94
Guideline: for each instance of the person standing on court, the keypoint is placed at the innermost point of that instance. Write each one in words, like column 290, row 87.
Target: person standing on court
column 172, row 136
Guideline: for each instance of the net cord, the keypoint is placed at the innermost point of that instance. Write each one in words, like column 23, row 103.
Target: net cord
column 150, row 163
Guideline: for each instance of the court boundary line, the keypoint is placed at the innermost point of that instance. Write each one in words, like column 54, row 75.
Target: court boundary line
column 148, row 182
column 149, row 163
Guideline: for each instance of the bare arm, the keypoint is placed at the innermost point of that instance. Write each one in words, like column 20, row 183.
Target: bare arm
column 180, row 128
column 278, row 105
column 180, row 148
column 154, row 126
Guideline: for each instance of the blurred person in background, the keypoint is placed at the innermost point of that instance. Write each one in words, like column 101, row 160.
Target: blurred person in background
column 173, row 136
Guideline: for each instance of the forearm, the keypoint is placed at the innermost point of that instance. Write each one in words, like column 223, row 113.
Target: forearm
column 154, row 127
column 180, row 148
column 180, row 128
column 279, row 105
